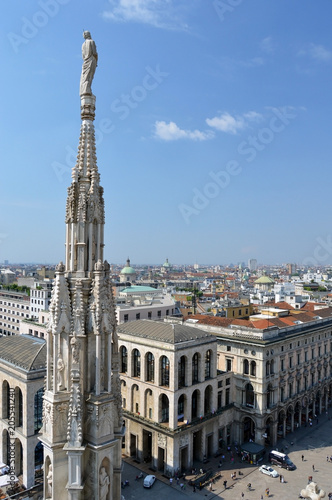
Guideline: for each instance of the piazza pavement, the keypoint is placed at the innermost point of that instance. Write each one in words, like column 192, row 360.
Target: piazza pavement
column 315, row 443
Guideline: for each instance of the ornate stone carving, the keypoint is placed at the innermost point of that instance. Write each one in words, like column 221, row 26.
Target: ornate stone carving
column 60, row 418
column 184, row 440
column 162, row 440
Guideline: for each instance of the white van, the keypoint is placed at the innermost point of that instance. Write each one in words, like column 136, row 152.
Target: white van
column 281, row 459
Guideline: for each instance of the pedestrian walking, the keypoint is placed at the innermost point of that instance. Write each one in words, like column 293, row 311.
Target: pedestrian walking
column 302, row 458
column 313, row 468
column 210, row 487
column 194, row 489
column 327, row 459
column 177, row 481
column 262, row 497
column 249, row 486
column 242, row 495
column 267, row 492
column 280, row 478
column 225, row 484
column 170, row 481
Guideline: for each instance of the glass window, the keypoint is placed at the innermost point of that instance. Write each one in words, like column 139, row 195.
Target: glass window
column 164, row 379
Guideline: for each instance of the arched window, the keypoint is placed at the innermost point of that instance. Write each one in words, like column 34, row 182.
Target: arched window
column 194, row 404
column 272, row 366
column 253, row 368
column 182, row 372
column 164, row 376
column 5, row 399
column 150, row 367
column 250, row 395
column 195, row 368
column 124, row 359
column 207, row 400
column 246, row 367
column 208, row 364
column 269, row 396
column 164, row 408
column 18, row 407
column 38, row 415
column 136, row 363
column 181, row 408
column 267, row 368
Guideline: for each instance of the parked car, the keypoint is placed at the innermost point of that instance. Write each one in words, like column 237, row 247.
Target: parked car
column 148, row 481
column 268, row 470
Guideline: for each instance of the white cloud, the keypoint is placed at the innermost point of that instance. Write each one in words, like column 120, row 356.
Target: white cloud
column 171, row 132
column 266, row 45
column 317, row 52
column 158, row 13
column 232, row 124
column 320, row 53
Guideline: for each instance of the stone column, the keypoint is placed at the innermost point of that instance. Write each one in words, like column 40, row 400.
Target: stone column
column 274, row 432
column 173, row 413
column 284, row 426
column 292, row 421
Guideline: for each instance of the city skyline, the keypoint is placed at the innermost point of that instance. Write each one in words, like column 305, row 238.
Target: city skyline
column 224, row 106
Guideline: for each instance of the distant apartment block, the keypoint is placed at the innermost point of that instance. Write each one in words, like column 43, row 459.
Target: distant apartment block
column 14, row 307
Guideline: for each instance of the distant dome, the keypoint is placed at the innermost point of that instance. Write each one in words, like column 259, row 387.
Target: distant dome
column 128, row 269
column 166, row 264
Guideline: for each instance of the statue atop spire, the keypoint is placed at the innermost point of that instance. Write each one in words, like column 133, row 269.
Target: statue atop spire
column 90, row 59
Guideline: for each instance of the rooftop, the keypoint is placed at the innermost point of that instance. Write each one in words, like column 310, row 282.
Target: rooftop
column 166, row 332
column 23, row 351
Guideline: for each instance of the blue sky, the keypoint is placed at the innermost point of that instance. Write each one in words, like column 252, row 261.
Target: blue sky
column 213, row 122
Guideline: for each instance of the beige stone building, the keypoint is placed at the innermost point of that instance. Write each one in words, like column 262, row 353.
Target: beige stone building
column 177, row 405
column 281, row 370
column 22, row 372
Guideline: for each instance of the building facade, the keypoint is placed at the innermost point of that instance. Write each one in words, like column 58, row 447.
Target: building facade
column 282, row 375
column 177, row 406
column 22, row 373
column 14, row 307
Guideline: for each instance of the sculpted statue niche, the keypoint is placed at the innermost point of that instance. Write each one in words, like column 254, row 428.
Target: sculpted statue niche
column 90, row 59
column 104, row 482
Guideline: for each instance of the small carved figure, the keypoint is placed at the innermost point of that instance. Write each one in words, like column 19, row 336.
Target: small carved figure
column 75, row 344
column 104, row 482
column 49, row 482
column 60, row 368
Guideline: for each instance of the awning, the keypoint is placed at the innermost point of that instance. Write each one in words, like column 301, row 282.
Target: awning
column 252, row 448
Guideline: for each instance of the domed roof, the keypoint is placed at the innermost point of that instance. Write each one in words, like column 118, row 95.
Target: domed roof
column 128, row 269
column 264, row 280
column 166, row 264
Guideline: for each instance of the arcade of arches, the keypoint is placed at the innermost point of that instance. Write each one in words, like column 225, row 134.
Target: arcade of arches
column 281, row 420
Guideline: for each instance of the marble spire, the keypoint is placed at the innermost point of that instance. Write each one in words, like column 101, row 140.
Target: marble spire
column 82, row 429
